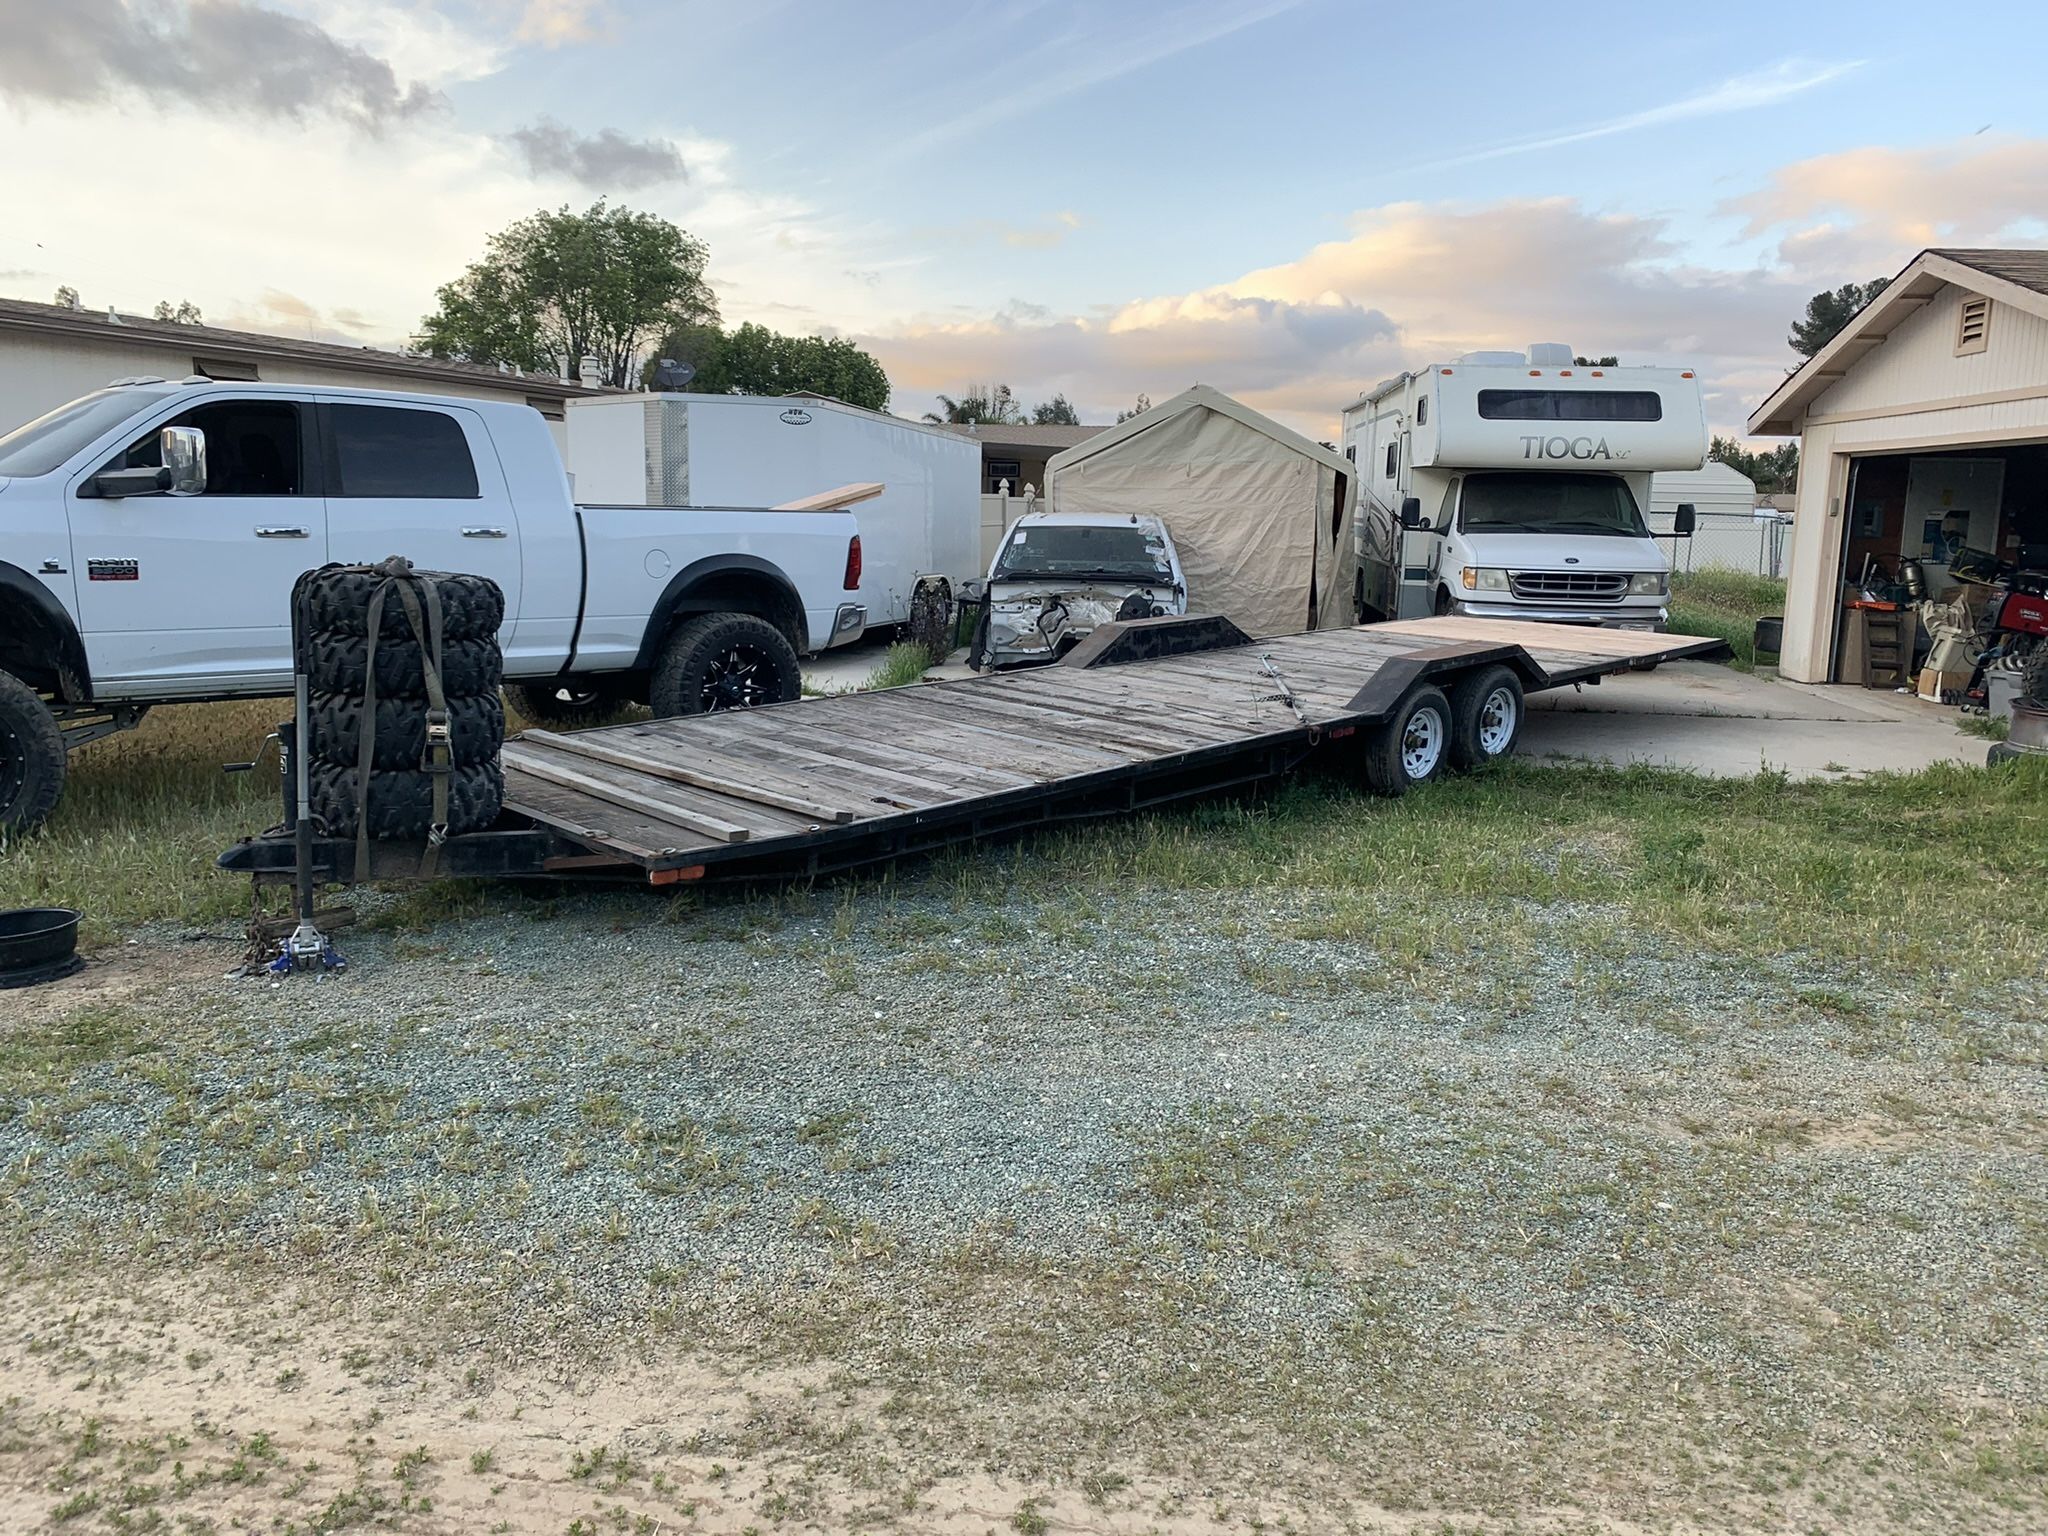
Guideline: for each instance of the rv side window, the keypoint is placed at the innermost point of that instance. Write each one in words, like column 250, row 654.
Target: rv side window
column 1570, row 405
column 1393, row 459
column 1422, row 411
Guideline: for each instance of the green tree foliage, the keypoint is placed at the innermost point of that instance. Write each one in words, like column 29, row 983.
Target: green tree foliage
column 66, row 296
column 986, row 404
column 1609, row 361
column 1138, row 408
column 184, row 312
column 1827, row 313
column 558, row 287
column 754, row 360
column 1055, row 413
column 1775, row 470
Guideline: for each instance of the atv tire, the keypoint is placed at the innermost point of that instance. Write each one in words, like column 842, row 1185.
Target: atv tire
column 476, row 728
column 338, row 603
column 336, row 665
column 402, row 803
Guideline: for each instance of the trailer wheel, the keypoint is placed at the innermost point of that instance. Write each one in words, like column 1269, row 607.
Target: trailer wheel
column 1486, row 717
column 570, row 702
column 1411, row 747
column 31, row 756
column 720, row 661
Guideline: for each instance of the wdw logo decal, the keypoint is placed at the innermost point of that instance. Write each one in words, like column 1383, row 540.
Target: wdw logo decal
column 1569, row 448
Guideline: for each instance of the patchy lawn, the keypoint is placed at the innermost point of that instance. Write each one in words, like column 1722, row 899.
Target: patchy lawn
column 1726, row 605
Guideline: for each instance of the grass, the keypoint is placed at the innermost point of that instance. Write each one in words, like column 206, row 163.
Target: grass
column 1726, row 605
column 905, row 662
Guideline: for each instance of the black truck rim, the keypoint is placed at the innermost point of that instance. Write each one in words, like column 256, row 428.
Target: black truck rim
column 739, row 677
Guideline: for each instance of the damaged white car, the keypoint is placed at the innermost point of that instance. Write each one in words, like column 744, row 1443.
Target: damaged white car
column 1060, row 574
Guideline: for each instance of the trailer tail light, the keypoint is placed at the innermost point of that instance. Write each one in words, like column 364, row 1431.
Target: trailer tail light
column 853, row 564
column 1686, row 375
column 1444, row 371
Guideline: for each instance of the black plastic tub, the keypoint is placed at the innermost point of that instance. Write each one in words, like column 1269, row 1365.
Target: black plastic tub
column 37, row 944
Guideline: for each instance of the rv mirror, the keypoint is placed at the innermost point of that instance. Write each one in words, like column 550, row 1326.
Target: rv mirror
column 1684, row 519
column 1411, row 512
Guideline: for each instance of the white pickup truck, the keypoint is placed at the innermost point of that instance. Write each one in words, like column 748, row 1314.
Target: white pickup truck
column 150, row 533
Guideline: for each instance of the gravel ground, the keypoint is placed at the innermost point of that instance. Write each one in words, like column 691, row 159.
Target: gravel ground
column 1558, row 1211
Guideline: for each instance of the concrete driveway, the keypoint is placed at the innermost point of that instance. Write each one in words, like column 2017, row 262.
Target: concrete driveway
column 1714, row 720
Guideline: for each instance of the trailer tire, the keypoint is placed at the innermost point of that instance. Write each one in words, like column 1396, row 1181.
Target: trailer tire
column 720, row 661
column 568, row 703
column 1486, row 717
column 476, row 730
column 335, row 664
column 1411, row 746
column 402, row 802
column 32, row 761
column 338, row 603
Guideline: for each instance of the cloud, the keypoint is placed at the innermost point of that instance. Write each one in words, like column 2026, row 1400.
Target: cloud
column 1740, row 93
column 275, row 312
column 1861, row 212
column 557, row 23
column 214, row 53
column 606, row 161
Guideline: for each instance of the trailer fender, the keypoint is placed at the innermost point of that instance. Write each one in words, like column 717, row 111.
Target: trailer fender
column 731, row 583
column 39, row 643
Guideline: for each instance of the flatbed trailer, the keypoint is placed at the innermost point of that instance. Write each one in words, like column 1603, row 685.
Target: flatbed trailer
column 1140, row 714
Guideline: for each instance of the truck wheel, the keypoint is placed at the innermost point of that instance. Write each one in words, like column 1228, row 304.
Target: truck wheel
column 722, row 661
column 1486, row 717
column 1411, row 747
column 568, row 703
column 31, row 756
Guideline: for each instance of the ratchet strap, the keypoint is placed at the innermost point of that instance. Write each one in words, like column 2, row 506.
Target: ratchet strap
column 421, row 600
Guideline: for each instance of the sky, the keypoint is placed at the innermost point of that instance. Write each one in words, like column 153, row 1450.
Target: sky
column 1286, row 199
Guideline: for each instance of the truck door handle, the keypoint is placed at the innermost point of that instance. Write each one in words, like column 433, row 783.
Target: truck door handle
column 277, row 531
column 483, row 533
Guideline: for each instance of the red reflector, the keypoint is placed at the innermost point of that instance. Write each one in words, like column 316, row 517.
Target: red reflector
column 1535, row 373
column 1685, row 375
column 1443, row 370
column 853, row 564
column 675, row 876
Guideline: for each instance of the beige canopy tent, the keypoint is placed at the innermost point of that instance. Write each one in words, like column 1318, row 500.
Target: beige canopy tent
column 1262, row 516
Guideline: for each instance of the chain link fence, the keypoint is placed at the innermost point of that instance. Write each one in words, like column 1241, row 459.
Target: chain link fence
column 1728, row 541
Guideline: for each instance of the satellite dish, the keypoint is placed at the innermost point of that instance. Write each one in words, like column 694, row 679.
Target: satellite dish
column 670, row 374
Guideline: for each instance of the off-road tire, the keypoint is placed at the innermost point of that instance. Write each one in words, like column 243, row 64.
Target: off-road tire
column 1394, row 762
column 931, row 618
column 591, row 700
column 335, row 664
column 402, row 803
column 31, row 757
column 1483, row 705
column 2034, row 673
column 338, row 603
column 476, row 730
column 689, row 678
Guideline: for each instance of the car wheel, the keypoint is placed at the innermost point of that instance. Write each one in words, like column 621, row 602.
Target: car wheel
column 568, row 704
column 1412, row 746
column 721, row 661
column 32, row 758
column 1486, row 717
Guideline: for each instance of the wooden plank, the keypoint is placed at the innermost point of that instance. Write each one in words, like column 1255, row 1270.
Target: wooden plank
column 833, row 500
column 828, row 747
column 1147, row 732
column 533, row 765
column 661, row 768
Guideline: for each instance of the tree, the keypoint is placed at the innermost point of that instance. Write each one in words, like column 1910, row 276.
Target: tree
column 984, row 404
column 1609, row 361
column 1827, row 313
column 1138, row 408
column 67, row 296
column 754, row 360
column 558, row 287
column 1775, row 470
column 1055, row 413
column 184, row 312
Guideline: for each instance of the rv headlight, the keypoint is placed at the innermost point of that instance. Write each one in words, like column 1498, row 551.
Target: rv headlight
column 1484, row 578
column 1649, row 584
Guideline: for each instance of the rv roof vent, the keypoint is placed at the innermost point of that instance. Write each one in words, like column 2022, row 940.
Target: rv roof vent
column 1549, row 354
column 1490, row 359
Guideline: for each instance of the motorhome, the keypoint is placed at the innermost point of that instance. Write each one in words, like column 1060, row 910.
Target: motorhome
column 1521, row 480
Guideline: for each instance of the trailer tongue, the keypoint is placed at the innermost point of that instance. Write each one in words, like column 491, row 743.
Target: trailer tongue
column 1140, row 714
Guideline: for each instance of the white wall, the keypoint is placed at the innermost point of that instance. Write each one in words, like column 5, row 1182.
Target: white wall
column 39, row 371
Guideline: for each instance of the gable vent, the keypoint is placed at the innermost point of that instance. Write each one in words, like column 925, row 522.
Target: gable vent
column 1973, row 326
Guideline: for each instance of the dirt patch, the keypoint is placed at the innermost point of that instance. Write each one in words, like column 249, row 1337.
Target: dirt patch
column 118, row 974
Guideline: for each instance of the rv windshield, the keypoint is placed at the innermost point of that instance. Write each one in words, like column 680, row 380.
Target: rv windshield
column 1128, row 550
column 1550, row 503
column 46, row 442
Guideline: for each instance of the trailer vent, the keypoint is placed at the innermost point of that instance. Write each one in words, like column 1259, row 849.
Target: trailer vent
column 1973, row 326
column 1567, row 586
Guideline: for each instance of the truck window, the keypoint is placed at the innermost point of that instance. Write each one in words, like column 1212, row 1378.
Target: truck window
column 1570, row 405
column 253, row 447
column 39, row 446
column 382, row 450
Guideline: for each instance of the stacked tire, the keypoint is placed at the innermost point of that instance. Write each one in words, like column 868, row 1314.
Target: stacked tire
column 331, row 632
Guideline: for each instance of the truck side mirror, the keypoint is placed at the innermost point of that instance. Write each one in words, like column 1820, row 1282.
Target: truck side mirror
column 184, row 456
column 1411, row 512
column 1683, row 519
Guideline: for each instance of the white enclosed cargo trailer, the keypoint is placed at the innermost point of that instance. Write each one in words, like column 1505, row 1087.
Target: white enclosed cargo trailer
column 762, row 451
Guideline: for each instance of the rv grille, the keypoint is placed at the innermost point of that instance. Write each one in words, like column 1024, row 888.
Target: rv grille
column 1568, row 586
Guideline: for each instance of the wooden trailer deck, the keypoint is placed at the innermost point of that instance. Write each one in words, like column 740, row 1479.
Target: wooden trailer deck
column 821, row 784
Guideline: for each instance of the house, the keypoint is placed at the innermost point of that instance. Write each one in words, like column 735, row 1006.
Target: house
column 1017, row 454
column 1923, row 429
column 51, row 353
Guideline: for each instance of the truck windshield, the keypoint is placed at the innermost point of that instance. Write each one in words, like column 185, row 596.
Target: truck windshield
column 1075, row 549
column 1550, row 503
column 46, row 442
